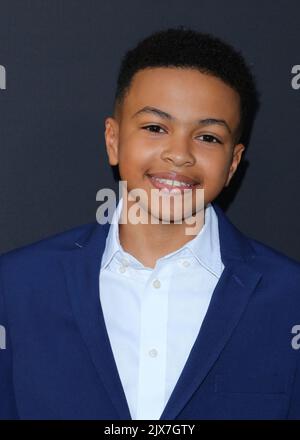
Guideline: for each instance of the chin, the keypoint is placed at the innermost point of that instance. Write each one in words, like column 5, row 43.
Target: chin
column 173, row 217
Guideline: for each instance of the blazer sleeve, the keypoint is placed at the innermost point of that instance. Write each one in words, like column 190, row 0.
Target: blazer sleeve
column 8, row 409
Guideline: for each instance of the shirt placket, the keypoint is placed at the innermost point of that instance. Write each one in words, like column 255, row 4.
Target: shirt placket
column 153, row 345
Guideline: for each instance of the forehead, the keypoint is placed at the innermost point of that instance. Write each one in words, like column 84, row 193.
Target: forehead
column 184, row 93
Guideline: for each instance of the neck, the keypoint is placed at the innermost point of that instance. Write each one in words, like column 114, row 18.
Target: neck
column 149, row 242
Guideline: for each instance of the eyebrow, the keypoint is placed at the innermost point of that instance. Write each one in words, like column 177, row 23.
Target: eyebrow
column 165, row 115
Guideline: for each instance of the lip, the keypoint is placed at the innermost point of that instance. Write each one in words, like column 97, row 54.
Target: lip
column 174, row 176
column 170, row 188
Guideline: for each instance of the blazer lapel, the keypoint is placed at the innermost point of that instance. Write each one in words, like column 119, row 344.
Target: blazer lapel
column 81, row 267
column 229, row 300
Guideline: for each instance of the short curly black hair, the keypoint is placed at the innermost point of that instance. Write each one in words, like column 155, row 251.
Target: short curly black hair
column 186, row 48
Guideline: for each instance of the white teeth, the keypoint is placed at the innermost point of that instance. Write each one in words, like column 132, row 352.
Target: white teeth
column 172, row 182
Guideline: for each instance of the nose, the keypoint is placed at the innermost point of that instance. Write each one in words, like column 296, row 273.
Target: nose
column 178, row 153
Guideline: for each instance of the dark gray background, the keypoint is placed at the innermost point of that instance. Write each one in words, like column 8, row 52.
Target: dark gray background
column 62, row 59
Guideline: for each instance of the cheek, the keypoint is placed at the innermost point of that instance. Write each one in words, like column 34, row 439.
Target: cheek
column 132, row 160
column 215, row 168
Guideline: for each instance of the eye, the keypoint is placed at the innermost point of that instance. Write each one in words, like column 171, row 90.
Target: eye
column 210, row 139
column 153, row 128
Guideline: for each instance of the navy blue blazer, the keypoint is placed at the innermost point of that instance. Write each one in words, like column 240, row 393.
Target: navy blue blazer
column 58, row 364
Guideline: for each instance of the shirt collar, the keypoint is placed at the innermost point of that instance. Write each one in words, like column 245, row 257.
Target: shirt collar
column 205, row 246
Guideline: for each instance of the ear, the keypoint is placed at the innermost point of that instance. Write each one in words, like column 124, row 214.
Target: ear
column 237, row 155
column 112, row 140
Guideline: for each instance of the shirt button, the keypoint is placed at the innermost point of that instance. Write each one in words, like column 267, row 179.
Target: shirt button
column 125, row 262
column 156, row 284
column 122, row 269
column 186, row 263
column 153, row 353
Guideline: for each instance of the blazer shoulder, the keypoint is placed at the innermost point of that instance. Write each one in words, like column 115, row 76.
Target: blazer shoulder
column 274, row 259
column 51, row 245
column 265, row 258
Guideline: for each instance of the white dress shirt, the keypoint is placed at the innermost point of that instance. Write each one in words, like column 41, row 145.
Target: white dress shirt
column 153, row 316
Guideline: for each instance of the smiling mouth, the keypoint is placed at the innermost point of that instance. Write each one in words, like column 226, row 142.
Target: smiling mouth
column 170, row 184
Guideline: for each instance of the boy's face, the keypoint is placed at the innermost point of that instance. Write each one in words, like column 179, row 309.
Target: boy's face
column 149, row 142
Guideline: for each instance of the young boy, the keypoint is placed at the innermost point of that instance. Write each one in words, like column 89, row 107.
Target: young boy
column 141, row 320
